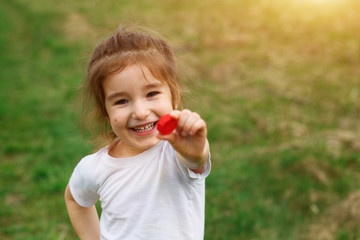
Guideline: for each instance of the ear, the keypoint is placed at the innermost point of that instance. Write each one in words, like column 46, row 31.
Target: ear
column 176, row 101
column 175, row 104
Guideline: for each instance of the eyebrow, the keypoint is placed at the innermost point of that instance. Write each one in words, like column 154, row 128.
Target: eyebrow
column 153, row 85
column 115, row 95
column 146, row 87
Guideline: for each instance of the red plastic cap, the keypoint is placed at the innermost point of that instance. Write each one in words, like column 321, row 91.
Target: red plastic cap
column 166, row 124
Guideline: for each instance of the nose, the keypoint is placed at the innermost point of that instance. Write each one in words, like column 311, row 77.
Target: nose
column 140, row 110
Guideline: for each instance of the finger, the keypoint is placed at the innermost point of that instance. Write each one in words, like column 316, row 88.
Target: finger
column 190, row 121
column 182, row 120
column 199, row 127
column 183, row 115
column 186, row 120
column 175, row 114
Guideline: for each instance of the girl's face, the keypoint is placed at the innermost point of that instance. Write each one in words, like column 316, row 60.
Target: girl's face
column 134, row 101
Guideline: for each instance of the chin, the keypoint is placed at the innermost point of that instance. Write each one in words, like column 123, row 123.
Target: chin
column 150, row 144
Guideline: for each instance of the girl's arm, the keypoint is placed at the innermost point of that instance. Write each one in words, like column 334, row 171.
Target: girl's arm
column 195, row 164
column 189, row 140
column 84, row 220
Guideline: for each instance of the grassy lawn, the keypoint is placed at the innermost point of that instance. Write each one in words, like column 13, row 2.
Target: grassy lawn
column 278, row 83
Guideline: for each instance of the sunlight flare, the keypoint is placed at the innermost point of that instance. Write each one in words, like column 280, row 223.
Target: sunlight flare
column 323, row 2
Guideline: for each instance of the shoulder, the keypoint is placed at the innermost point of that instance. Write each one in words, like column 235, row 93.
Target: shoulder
column 86, row 179
column 91, row 166
column 92, row 160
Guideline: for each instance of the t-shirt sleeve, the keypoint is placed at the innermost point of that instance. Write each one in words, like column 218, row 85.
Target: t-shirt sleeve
column 188, row 173
column 82, row 186
column 204, row 174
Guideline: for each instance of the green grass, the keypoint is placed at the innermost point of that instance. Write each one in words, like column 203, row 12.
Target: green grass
column 278, row 83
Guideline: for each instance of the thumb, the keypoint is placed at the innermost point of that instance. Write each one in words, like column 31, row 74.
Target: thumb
column 169, row 137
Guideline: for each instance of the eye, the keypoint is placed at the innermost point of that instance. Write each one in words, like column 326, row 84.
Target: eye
column 121, row 102
column 152, row 94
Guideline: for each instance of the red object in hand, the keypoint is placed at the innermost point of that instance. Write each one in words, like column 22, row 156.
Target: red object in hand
column 166, row 124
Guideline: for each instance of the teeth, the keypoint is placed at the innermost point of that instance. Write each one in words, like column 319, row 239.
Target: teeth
column 145, row 128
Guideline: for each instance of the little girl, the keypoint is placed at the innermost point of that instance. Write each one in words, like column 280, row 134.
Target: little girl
column 151, row 186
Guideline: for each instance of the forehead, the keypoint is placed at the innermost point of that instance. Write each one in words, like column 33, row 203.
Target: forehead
column 131, row 77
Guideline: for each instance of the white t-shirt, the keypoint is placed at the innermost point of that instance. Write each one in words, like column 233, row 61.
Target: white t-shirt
column 148, row 196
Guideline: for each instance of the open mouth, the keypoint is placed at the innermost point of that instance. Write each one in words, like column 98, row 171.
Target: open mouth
column 145, row 128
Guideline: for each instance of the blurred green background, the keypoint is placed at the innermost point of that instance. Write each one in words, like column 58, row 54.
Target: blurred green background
column 276, row 80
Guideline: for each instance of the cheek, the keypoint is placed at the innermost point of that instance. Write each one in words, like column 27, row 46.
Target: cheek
column 118, row 121
column 113, row 121
column 165, row 108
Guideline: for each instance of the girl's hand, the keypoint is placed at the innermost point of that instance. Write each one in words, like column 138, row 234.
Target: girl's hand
column 189, row 139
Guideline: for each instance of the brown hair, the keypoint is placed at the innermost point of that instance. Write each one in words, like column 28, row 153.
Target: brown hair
column 125, row 47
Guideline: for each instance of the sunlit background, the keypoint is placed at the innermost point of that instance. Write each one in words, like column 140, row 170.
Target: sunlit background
column 277, row 82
